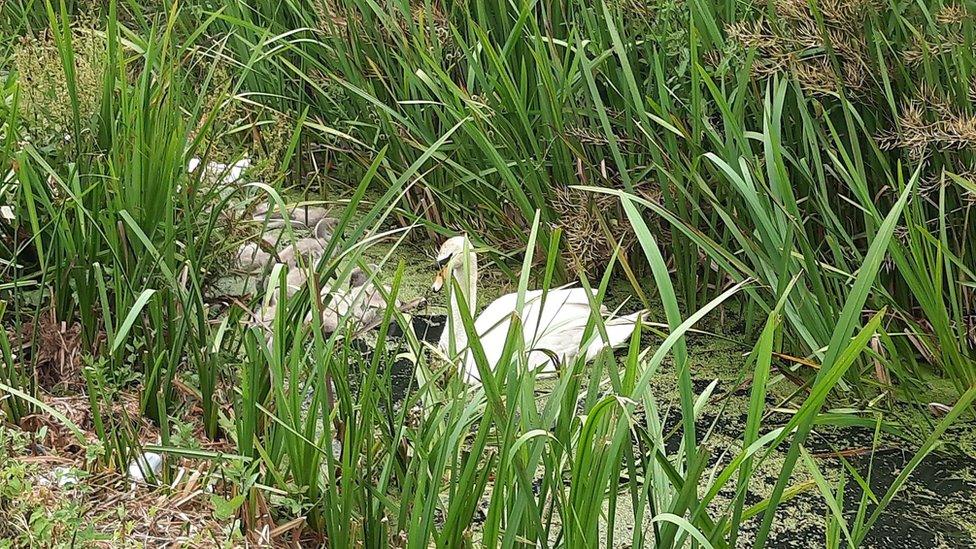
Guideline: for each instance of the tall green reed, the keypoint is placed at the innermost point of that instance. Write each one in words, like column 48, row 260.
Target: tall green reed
column 486, row 112
column 562, row 94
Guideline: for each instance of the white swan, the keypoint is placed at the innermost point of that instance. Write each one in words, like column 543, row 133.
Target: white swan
column 552, row 325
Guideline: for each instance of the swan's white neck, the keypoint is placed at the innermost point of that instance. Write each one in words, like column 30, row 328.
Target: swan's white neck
column 466, row 275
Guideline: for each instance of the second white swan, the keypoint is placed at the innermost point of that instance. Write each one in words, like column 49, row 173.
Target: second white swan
column 552, row 326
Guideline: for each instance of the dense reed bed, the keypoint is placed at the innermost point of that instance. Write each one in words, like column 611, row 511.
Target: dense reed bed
column 796, row 178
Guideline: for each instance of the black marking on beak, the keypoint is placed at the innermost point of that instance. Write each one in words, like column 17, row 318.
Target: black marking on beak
column 441, row 262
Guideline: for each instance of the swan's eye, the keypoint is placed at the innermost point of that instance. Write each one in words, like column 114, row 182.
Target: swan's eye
column 441, row 261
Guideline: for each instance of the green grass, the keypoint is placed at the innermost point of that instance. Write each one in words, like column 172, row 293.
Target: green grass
column 823, row 197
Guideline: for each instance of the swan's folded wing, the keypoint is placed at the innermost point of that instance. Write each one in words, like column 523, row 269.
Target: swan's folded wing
column 564, row 341
column 618, row 331
column 564, row 310
column 495, row 317
column 538, row 317
column 551, row 329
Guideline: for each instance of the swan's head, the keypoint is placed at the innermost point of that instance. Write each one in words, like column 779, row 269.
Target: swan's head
column 450, row 257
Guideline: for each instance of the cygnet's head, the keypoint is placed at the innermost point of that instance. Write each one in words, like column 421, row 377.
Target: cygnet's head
column 357, row 278
column 325, row 228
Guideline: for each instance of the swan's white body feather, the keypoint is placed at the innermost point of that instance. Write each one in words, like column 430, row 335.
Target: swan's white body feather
column 552, row 330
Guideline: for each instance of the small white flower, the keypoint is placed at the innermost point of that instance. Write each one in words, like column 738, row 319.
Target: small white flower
column 144, row 466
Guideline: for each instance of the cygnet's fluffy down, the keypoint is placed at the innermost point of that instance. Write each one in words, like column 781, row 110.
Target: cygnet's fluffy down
column 362, row 302
column 251, row 258
column 308, row 250
column 264, row 318
column 368, row 303
column 274, row 237
column 296, row 279
column 305, row 251
column 325, row 228
column 308, row 216
column 301, row 252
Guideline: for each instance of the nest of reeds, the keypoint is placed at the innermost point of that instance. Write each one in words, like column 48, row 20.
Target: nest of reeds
column 592, row 228
column 57, row 350
column 179, row 513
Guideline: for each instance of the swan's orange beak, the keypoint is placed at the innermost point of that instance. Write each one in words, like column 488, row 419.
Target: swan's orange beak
column 439, row 280
column 442, row 271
